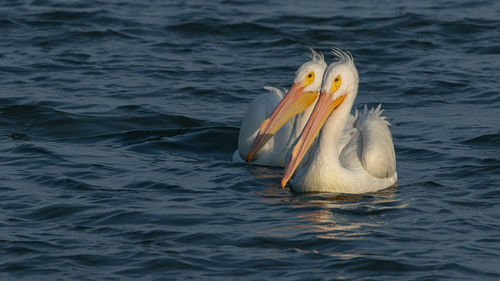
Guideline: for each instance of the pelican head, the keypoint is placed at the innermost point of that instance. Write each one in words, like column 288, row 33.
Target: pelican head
column 340, row 84
column 341, row 77
column 303, row 92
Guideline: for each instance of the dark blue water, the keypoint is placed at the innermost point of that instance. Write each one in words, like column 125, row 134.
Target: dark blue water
column 118, row 120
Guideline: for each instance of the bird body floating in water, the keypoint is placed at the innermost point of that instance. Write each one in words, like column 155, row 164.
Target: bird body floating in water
column 273, row 122
column 352, row 154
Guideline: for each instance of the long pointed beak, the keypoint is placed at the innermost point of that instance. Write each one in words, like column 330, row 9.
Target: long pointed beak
column 294, row 102
column 322, row 110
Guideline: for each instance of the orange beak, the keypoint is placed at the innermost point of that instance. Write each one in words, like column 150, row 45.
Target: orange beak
column 324, row 107
column 294, row 102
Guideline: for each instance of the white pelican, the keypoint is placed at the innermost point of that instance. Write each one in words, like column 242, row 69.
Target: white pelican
column 351, row 154
column 256, row 142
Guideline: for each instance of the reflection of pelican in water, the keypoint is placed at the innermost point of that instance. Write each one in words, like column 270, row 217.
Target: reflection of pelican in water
column 330, row 216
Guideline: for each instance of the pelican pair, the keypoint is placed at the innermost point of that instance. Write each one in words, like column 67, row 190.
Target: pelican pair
column 325, row 148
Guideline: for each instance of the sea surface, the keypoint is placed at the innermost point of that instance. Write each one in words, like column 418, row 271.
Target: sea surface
column 118, row 120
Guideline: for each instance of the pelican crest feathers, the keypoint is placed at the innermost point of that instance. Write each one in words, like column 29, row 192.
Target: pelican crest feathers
column 317, row 57
column 343, row 56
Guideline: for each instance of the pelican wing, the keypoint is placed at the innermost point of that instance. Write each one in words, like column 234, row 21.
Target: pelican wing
column 377, row 150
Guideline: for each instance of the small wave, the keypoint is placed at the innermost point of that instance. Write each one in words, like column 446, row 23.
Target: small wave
column 210, row 27
column 55, row 212
column 35, row 120
column 196, row 140
column 484, row 140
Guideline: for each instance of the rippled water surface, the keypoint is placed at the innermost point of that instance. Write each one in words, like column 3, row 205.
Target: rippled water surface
column 118, row 120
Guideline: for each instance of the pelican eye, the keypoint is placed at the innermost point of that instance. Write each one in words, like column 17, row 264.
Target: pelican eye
column 309, row 78
column 336, row 83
